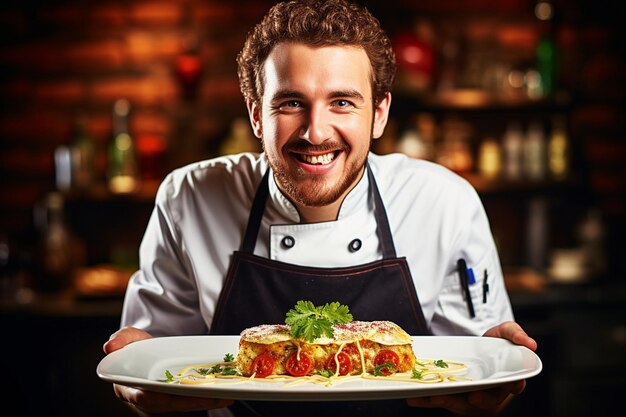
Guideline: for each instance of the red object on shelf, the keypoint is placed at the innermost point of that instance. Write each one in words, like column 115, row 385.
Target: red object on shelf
column 188, row 69
column 414, row 55
column 151, row 149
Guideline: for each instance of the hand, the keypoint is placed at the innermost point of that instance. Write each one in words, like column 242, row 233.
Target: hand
column 483, row 403
column 513, row 332
column 148, row 401
column 489, row 402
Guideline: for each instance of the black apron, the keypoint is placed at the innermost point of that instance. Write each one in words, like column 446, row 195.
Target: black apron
column 261, row 291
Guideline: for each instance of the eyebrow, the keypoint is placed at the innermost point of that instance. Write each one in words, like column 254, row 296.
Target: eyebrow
column 293, row 94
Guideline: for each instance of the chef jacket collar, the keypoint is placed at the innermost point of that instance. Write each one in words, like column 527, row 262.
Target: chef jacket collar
column 355, row 200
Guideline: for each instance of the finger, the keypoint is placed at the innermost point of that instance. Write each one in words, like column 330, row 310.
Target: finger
column 122, row 337
column 425, row 402
column 517, row 335
column 513, row 332
column 488, row 399
column 482, row 403
column 456, row 403
column 155, row 402
column 495, row 399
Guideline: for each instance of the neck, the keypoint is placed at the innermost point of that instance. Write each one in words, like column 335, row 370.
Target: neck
column 327, row 213
column 319, row 214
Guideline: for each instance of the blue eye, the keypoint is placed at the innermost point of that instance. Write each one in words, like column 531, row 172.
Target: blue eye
column 292, row 104
column 342, row 103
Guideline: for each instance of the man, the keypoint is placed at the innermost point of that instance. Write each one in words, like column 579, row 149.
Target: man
column 231, row 240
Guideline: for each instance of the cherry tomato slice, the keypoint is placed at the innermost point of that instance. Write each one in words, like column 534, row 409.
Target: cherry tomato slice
column 345, row 364
column 387, row 356
column 263, row 365
column 299, row 367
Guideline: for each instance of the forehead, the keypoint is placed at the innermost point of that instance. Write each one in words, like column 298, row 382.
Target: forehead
column 306, row 68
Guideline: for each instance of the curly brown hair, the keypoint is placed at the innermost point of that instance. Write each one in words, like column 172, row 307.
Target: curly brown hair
column 316, row 23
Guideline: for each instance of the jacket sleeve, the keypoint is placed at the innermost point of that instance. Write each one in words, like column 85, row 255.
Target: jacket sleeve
column 162, row 296
column 475, row 244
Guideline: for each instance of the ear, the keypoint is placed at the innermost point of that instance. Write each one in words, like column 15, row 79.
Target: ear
column 381, row 115
column 254, row 112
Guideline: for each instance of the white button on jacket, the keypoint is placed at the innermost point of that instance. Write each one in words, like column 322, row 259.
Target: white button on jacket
column 202, row 209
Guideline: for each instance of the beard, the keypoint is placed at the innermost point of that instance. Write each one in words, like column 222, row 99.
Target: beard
column 314, row 190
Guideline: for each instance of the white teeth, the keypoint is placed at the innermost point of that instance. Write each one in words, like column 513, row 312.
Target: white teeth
column 318, row 159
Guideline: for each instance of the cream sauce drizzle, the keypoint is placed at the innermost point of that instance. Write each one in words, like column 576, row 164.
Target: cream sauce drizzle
column 430, row 374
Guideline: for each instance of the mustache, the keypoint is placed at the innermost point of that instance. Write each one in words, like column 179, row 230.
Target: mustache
column 303, row 146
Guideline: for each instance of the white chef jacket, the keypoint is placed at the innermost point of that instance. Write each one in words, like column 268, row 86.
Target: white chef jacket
column 201, row 212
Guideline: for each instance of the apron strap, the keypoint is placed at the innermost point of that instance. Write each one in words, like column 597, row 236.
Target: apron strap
column 382, row 222
column 256, row 214
column 258, row 207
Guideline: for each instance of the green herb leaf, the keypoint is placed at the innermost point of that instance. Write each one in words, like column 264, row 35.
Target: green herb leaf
column 229, row 370
column 417, row 373
column 326, row 373
column 169, row 378
column 440, row 364
column 389, row 366
column 301, row 312
column 218, row 369
column 309, row 322
column 229, row 357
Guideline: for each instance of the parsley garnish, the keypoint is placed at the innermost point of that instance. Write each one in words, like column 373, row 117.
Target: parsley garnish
column 389, row 366
column 229, row 357
column 218, row 369
column 169, row 378
column 308, row 322
column 417, row 373
column 440, row 364
column 326, row 373
column 229, row 370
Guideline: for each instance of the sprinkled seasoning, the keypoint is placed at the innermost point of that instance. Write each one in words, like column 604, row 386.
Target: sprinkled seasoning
column 383, row 332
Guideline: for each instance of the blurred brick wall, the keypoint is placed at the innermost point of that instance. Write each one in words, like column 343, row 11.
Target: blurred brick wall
column 60, row 59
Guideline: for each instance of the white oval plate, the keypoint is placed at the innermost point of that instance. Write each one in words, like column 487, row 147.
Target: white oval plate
column 143, row 364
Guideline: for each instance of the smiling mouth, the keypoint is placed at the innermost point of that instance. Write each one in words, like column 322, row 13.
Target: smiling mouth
column 321, row 159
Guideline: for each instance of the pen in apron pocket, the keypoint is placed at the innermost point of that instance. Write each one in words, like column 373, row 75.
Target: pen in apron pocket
column 485, row 287
column 465, row 278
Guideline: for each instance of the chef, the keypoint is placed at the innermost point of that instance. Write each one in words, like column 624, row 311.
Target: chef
column 235, row 241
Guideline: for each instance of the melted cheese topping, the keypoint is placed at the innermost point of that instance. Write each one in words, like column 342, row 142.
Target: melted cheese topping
column 266, row 334
column 383, row 332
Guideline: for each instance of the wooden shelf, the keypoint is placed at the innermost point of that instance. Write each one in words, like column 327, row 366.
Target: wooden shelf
column 146, row 193
column 477, row 99
column 485, row 185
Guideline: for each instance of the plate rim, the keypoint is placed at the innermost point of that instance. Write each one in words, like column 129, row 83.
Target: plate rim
column 252, row 392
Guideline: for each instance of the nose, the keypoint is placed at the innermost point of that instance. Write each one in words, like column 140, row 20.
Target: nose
column 316, row 127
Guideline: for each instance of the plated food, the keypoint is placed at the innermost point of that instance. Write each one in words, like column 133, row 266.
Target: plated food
column 321, row 345
column 358, row 347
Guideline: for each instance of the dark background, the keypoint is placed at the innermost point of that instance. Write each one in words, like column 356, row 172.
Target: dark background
column 62, row 60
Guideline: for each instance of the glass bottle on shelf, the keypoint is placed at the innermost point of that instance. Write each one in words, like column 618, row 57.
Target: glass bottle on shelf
column 546, row 52
column 559, row 150
column 123, row 171
column 411, row 144
column 455, row 152
column 59, row 251
column 535, row 153
column 490, row 158
column 427, row 128
column 512, row 147
column 547, row 65
column 82, row 156
column 240, row 138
